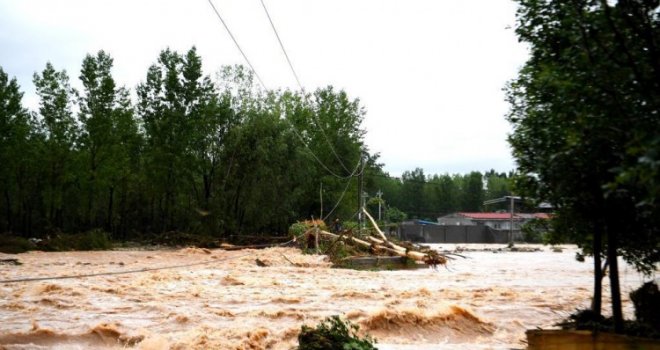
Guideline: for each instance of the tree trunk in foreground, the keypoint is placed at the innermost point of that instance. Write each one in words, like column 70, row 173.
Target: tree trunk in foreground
column 617, row 315
column 596, row 303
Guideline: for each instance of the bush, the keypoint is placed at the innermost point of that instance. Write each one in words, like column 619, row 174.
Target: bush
column 393, row 214
column 95, row 239
column 588, row 320
column 297, row 229
column 536, row 231
column 300, row 227
column 646, row 300
column 14, row 245
column 332, row 333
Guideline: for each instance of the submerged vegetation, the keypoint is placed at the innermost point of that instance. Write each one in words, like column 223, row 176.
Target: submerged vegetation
column 333, row 333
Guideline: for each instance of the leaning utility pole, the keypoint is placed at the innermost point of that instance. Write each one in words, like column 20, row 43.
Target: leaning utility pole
column 380, row 199
column 359, row 191
column 511, row 223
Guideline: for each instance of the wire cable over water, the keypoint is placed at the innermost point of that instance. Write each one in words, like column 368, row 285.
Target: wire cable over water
column 125, row 272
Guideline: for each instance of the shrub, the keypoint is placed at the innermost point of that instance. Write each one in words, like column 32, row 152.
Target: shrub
column 646, row 300
column 333, row 333
column 536, row 231
column 14, row 245
column 297, row 229
column 95, row 239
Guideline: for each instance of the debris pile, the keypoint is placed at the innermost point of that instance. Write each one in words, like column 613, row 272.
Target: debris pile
column 379, row 245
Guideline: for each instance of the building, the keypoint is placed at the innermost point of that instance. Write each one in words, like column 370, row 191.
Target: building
column 497, row 221
column 463, row 227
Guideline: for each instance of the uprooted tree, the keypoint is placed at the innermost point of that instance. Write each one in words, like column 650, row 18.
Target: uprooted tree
column 585, row 114
column 380, row 244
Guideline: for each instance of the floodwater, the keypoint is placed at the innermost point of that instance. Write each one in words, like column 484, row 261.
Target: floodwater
column 485, row 301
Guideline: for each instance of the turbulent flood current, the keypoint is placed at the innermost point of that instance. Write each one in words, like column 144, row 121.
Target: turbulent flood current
column 483, row 301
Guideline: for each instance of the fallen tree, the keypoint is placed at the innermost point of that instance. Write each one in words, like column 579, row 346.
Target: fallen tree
column 381, row 243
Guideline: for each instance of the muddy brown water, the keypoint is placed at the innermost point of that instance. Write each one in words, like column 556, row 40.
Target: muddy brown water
column 485, row 301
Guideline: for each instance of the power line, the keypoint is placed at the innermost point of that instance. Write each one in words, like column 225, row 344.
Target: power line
column 281, row 44
column 125, row 272
column 237, row 46
column 264, row 86
column 348, row 182
column 295, row 75
column 327, row 140
column 318, row 160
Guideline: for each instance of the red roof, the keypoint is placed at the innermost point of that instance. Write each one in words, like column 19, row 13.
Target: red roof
column 488, row 216
column 503, row 216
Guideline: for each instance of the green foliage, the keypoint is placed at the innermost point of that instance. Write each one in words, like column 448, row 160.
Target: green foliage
column 393, row 214
column 473, row 188
column 428, row 197
column 331, row 334
column 297, row 229
column 197, row 155
column 646, row 300
column 584, row 109
column 14, row 245
column 337, row 251
column 94, row 239
column 537, row 231
column 591, row 321
column 194, row 154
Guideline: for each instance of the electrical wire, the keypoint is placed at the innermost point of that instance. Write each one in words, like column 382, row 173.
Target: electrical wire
column 237, row 45
column 295, row 75
column 295, row 130
column 344, row 192
column 125, row 272
column 281, row 44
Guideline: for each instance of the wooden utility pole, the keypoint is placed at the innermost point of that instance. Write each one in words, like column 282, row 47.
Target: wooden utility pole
column 511, row 223
column 360, row 199
column 380, row 198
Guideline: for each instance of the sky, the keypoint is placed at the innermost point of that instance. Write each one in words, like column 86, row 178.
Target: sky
column 429, row 73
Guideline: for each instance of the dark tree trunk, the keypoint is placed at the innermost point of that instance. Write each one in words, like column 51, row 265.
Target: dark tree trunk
column 8, row 210
column 111, row 195
column 596, row 303
column 617, row 315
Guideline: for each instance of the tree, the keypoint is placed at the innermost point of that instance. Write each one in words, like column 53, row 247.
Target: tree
column 61, row 134
column 412, row 191
column 109, row 141
column 497, row 185
column 444, row 194
column 473, row 192
column 15, row 130
column 584, row 111
column 328, row 124
column 163, row 109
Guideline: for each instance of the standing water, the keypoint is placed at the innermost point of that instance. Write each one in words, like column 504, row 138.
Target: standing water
column 485, row 301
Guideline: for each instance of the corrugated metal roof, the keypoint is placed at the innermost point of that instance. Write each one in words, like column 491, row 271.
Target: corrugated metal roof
column 503, row 216
column 489, row 216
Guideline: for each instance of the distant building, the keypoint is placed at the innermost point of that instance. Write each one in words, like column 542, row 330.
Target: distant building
column 462, row 227
column 495, row 220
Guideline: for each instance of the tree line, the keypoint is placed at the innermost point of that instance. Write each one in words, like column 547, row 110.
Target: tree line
column 195, row 153
column 416, row 195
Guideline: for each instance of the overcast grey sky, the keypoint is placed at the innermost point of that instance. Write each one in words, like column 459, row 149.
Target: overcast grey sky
column 429, row 72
